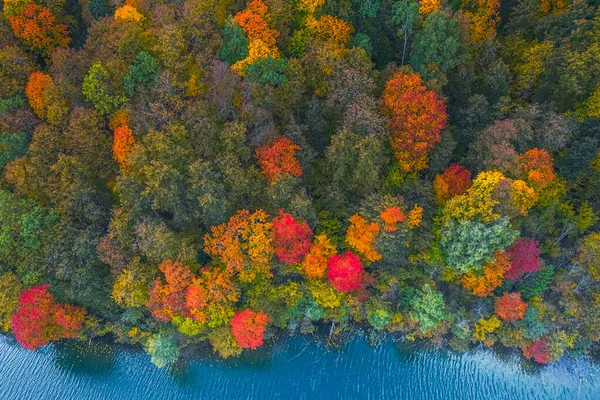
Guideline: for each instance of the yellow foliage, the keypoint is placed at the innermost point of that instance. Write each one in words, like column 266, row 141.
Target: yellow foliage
column 325, row 295
column 485, row 326
column 129, row 291
column 128, row 13
column 257, row 49
column 415, row 216
column 330, row 29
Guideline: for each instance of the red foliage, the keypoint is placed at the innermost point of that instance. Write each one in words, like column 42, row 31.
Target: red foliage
column 455, row 181
column 248, row 328
column 167, row 300
column 279, row 157
column 196, row 301
column 539, row 351
column 416, row 118
column 37, row 27
column 291, row 240
column 345, row 272
column 40, row 319
column 524, row 257
column 510, row 306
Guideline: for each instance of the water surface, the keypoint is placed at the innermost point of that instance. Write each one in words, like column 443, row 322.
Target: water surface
column 297, row 369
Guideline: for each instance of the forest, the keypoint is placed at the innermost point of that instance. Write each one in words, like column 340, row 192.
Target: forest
column 218, row 174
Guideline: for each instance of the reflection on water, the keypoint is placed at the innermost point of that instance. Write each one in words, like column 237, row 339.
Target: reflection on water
column 298, row 369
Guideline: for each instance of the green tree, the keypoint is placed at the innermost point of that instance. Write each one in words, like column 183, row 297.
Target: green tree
column 405, row 14
column 428, row 309
column 97, row 89
column 235, row 43
column 142, row 73
column 162, row 349
column 467, row 245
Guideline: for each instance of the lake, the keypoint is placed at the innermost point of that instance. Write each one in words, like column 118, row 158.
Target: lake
column 295, row 369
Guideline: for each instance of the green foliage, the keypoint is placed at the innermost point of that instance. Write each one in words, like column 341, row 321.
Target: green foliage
column 435, row 47
column 536, row 283
column 378, row 314
column 98, row 8
column 12, row 146
column 428, row 309
column 142, row 73
column 235, row 43
column 162, row 349
column 267, row 70
column 97, row 89
column 467, row 245
column 11, row 104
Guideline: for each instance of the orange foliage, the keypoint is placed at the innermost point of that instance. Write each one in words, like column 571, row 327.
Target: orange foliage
column 315, row 262
column 483, row 284
column 211, row 296
column 392, row 216
column 416, row 118
column 279, row 157
column 426, row 7
column 167, row 299
column 537, row 168
column 510, row 307
column 244, row 241
column 361, row 235
column 123, row 145
column 252, row 21
column 455, row 181
column 37, row 27
column 38, row 88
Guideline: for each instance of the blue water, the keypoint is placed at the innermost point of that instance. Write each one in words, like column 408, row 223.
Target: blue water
column 297, row 369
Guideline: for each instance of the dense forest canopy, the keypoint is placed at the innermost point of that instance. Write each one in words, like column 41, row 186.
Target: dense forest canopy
column 220, row 172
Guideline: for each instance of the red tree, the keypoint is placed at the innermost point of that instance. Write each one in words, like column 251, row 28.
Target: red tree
column 345, row 272
column 37, row 27
column 167, row 300
column 279, row 157
column 416, row 118
column 510, row 306
column 455, row 181
column 291, row 239
column 40, row 319
column 524, row 257
column 539, row 351
column 248, row 328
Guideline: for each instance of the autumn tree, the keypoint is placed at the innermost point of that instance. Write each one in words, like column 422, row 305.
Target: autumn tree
column 524, row 257
column 536, row 168
column 167, row 298
column 39, row 87
column 291, row 239
column 539, row 351
column 315, row 263
column 40, row 319
column 345, row 272
column 510, row 307
column 454, row 181
column 416, row 118
column 39, row 30
column 248, row 328
column 391, row 217
column 361, row 235
column 211, row 297
column 589, row 254
column 490, row 277
column 244, row 244
column 483, row 15
column 123, row 142
column 279, row 157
